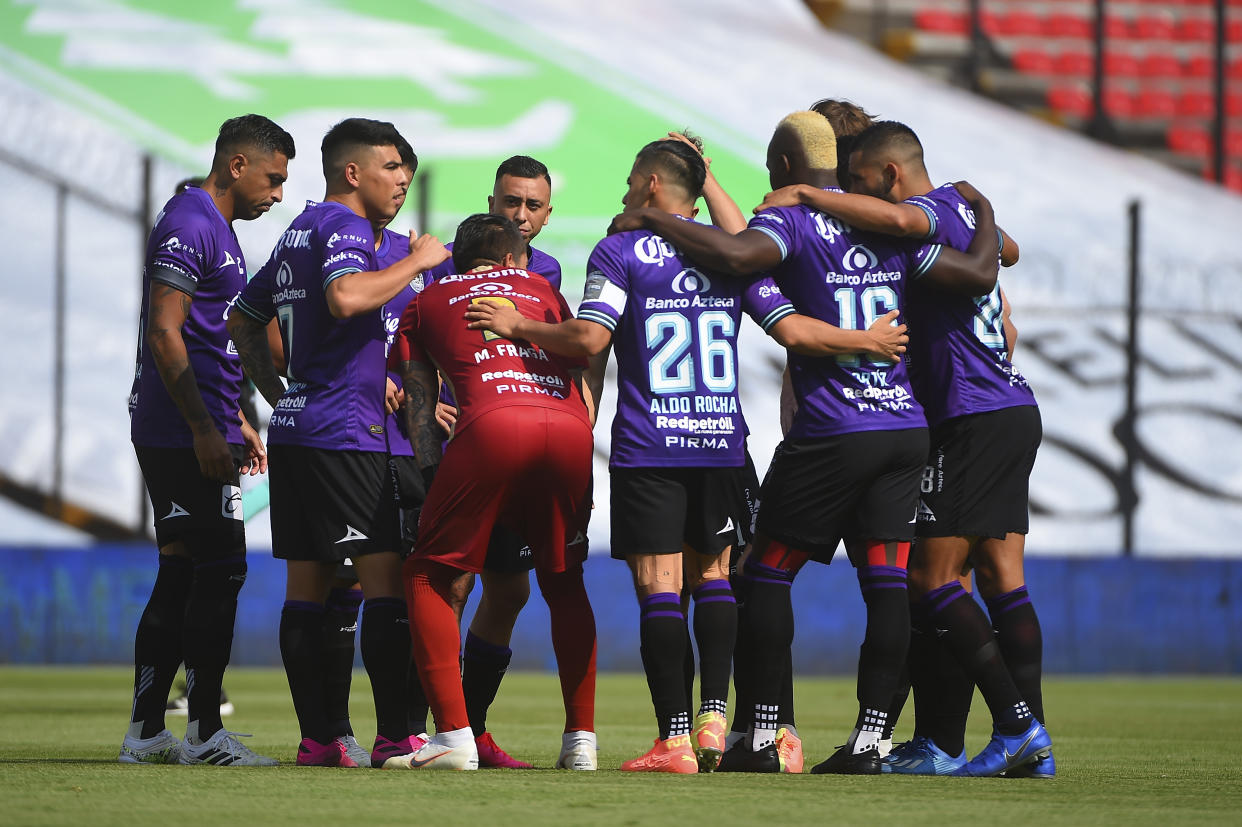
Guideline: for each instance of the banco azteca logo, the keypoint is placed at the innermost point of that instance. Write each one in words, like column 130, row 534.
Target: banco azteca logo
column 691, row 281
column 859, row 257
column 284, row 276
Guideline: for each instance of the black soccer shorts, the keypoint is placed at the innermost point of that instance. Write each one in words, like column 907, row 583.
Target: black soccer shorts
column 205, row 515
column 657, row 510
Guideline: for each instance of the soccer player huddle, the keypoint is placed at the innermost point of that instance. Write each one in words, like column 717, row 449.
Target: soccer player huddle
column 433, row 415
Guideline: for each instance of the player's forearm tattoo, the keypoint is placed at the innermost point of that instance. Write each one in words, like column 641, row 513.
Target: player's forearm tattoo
column 421, row 390
column 167, row 312
column 250, row 338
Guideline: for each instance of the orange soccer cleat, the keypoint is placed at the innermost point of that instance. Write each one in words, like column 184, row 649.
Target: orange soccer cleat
column 671, row 755
column 789, row 749
column 708, row 740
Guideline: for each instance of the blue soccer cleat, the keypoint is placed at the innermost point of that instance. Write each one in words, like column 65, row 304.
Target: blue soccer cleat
column 921, row 756
column 1004, row 752
column 1045, row 767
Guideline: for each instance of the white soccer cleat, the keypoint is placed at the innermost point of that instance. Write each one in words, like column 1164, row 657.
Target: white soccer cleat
column 355, row 750
column 435, row 755
column 163, row 748
column 224, row 750
column 579, row 751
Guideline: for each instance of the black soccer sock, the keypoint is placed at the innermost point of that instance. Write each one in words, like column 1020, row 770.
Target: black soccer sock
column 1022, row 645
column 687, row 666
column 483, row 667
column 900, row 695
column 715, row 630
column 942, row 689
column 157, row 644
column 968, row 635
column 741, row 694
column 662, row 635
column 386, row 655
column 340, row 623
column 882, row 655
column 786, row 714
column 301, row 649
column 417, row 708
column 209, row 616
column 769, row 633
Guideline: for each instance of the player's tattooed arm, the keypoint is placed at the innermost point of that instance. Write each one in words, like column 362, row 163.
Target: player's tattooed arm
column 572, row 337
column 861, row 211
column 250, row 339
column 167, row 310
column 422, row 389
column 743, row 254
column 973, row 271
column 884, row 339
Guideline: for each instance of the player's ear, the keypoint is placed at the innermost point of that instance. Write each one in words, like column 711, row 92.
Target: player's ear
column 351, row 173
column 237, row 166
column 508, row 261
column 547, row 215
column 890, row 175
column 491, row 204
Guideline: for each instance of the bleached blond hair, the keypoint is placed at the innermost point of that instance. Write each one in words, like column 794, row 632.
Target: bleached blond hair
column 812, row 133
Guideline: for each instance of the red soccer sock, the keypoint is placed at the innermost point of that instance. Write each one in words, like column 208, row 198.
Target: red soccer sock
column 573, row 640
column 436, row 642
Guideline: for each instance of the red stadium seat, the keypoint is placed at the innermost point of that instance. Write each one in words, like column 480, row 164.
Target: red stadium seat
column 1062, row 24
column 1121, row 65
column 1158, row 65
column 1233, row 70
column 1233, row 31
column 1189, row 140
column 940, row 21
column 1019, row 23
column 1196, row 105
column 1033, row 62
column 1156, row 104
column 1200, row 66
column 1155, row 26
column 1116, row 28
column 1196, row 29
column 1119, row 103
column 1073, row 64
column 1070, row 100
column 1233, row 105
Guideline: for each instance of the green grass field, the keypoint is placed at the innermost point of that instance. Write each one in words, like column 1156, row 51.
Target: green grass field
column 1129, row 751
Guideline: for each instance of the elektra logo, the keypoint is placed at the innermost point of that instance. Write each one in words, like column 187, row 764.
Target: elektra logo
column 691, row 281
column 652, row 249
column 859, row 257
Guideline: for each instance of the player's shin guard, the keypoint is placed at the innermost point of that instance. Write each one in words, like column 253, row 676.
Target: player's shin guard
column 768, row 634
column 1022, row 645
column 209, row 617
column 942, row 689
column 340, row 624
column 573, row 641
column 969, row 636
column 715, row 630
column 385, row 654
column 157, row 644
column 436, row 640
column 662, row 636
column 882, row 656
column 483, row 666
column 301, row 650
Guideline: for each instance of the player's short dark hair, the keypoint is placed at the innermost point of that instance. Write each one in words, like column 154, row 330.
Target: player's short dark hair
column 847, row 118
column 682, row 164
column 485, row 237
column 523, row 166
column 348, row 136
column 186, row 183
column 892, row 137
column 252, row 132
column 409, row 158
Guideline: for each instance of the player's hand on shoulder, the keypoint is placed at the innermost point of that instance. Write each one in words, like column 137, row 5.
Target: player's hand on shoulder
column 427, row 250
column 784, row 197
column 215, row 462
column 888, row 337
column 499, row 319
column 968, row 191
column 626, row 221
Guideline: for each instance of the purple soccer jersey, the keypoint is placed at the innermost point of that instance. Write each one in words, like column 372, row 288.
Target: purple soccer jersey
column 848, row 279
column 957, row 344
column 335, row 398
column 675, row 331
column 540, row 262
column 394, row 247
column 192, row 249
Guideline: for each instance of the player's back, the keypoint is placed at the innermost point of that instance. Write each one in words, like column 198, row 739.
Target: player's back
column 957, row 350
column 193, row 249
column 675, row 329
column 848, row 279
column 485, row 371
column 335, row 399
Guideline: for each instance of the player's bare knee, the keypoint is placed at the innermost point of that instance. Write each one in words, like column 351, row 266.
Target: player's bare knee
column 504, row 595
column 656, row 573
column 700, row 568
